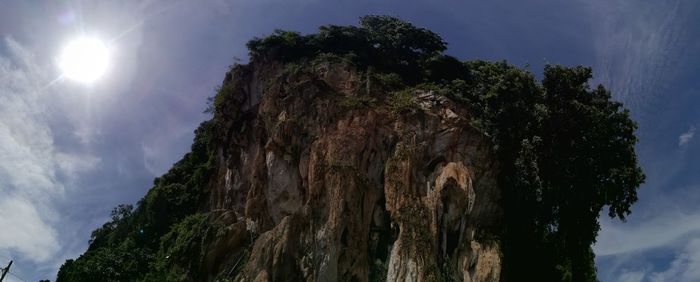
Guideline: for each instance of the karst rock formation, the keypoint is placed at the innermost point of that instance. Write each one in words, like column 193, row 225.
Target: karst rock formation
column 340, row 193
column 365, row 153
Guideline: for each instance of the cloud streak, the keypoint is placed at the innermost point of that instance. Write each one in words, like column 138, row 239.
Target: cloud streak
column 629, row 251
column 32, row 165
column 27, row 169
column 661, row 230
column 684, row 138
column 685, row 267
column 639, row 46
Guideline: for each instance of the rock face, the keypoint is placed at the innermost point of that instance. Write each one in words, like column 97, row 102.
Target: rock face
column 315, row 186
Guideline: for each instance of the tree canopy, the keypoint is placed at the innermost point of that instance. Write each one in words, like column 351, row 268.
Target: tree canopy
column 382, row 42
column 566, row 151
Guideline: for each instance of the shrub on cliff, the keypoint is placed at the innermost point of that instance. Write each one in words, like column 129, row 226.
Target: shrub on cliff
column 383, row 42
column 124, row 248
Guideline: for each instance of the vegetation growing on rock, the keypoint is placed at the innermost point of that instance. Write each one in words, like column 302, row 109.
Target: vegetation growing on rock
column 564, row 151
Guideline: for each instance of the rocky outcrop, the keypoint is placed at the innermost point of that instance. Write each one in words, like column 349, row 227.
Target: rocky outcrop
column 328, row 189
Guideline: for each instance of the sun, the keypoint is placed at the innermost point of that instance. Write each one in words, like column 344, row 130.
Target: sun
column 84, row 59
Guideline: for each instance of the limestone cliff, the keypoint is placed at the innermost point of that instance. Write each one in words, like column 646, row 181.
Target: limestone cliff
column 365, row 153
column 335, row 191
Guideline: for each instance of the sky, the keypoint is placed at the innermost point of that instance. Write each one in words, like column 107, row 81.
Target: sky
column 70, row 152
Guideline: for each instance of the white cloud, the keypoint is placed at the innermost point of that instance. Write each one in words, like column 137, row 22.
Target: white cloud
column 658, row 231
column 24, row 230
column 632, row 276
column 30, row 162
column 685, row 266
column 158, row 148
column 628, row 250
column 637, row 46
column 150, row 159
column 74, row 164
column 684, row 138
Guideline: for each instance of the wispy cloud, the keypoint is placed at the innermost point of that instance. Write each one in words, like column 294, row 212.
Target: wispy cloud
column 640, row 46
column 643, row 55
column 32, row 165
column 684, row 138
column 663, row 245
column 632, row 276
column 684, row 268
column 660, row 230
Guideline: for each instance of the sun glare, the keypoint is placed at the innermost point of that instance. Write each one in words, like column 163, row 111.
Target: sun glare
column 84, row 59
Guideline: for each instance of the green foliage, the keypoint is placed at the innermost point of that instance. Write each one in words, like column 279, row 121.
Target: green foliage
column 400, row 47
column 444, row 69
column 401, row 101
column 387, row 81
column 281, row 45
column 348, row 41
column 391, row 35
column 291, row 69
column 354, row 102
column 331, row 58
column 102, row 235
column 565, row 151
column 124, row 248
column 378, row 84
column 182, row 249
column 123, row 262
column 222, row 92
column 386, row 43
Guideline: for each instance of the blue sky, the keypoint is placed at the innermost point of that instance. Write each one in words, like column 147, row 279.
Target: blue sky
column 71, row 152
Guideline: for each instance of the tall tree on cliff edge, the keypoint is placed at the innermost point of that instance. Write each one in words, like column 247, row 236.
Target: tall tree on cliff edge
column 566, row 151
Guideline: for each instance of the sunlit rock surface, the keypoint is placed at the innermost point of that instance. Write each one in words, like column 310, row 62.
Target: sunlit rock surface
column 313, row 188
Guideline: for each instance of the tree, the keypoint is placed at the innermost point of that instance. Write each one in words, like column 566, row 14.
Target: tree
column 588, row 141
column 565, row 152
column 384, row 42
column 281, row 45
column 399, row 46
column 100, row 236
column 401, row 40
